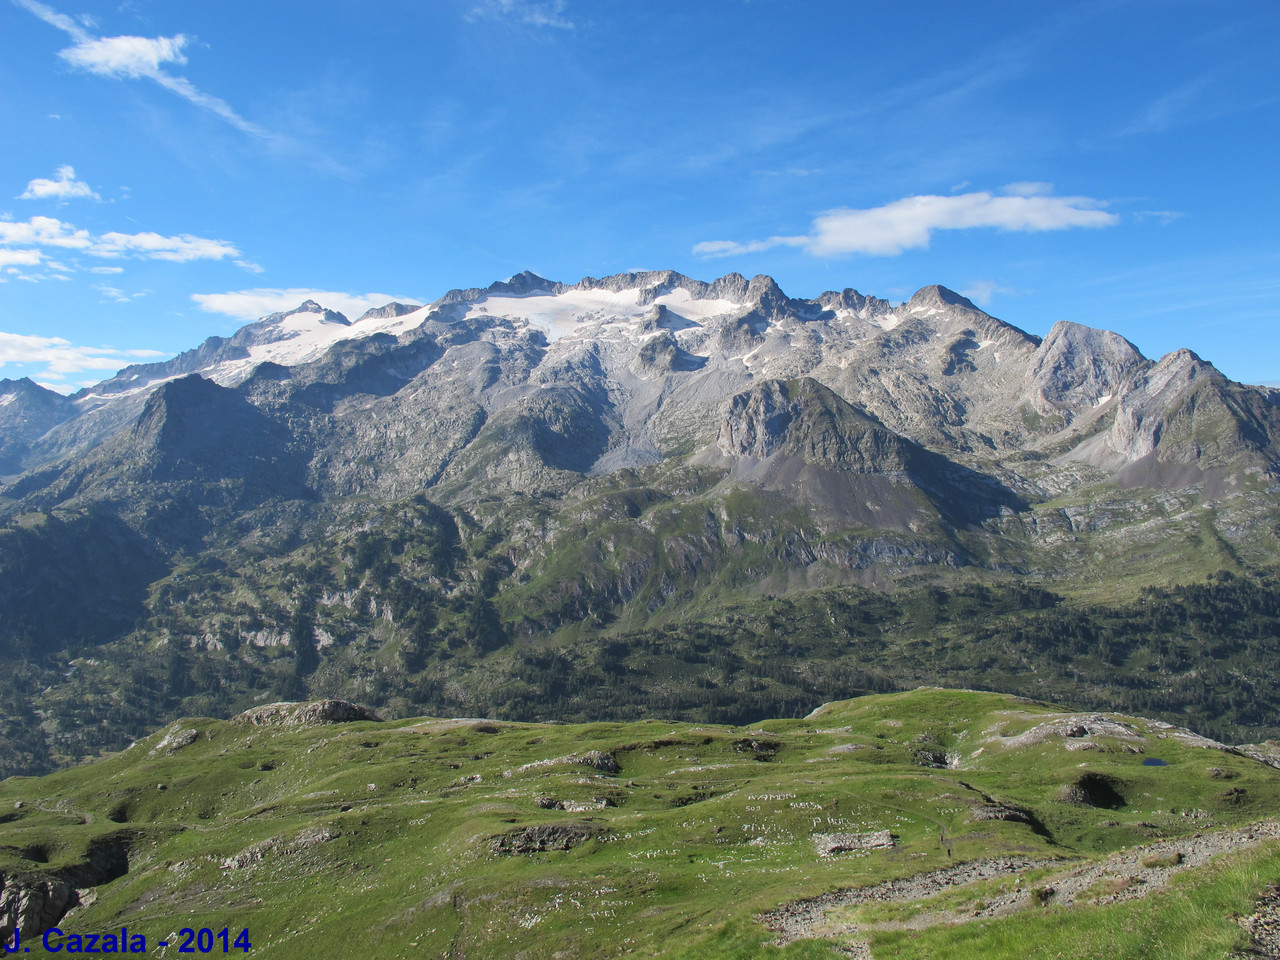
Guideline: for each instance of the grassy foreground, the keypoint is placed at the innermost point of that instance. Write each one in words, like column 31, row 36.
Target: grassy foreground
column 477, row 838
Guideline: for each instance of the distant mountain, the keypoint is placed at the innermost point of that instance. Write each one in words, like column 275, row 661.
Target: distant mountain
column 628, row 370
column 395, row 500
column 27, row 412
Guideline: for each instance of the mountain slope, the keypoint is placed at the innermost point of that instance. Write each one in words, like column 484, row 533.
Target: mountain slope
column 965, row 814
column 498, row 498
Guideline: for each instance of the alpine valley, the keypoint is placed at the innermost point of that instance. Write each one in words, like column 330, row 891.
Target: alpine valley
column 641, row 496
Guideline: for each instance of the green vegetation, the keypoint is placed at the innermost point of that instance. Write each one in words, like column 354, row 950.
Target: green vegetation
column 1192, row 920
column 644, row 593
column 491, row 839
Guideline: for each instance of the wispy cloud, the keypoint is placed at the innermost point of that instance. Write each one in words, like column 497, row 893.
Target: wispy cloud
column 1169, row 110
column 135, row 58
column 982, row 292
column 65, row 187
column 910, row 223
column 152, row 246
column 116, row 295
column 536, row 13
column 51, row 232
column 1164, row 216
column 252, row 304
column 1204, row 98
column 61, row 358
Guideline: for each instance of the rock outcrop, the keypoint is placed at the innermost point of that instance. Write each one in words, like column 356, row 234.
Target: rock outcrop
column 305, row 714
column 31, row 905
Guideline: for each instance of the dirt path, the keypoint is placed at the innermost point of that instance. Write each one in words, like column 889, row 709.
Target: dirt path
column 63, row 807
column 1126, row 875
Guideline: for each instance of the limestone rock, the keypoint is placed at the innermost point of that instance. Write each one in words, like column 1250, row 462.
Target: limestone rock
column 311, row 713
column 539, row 839
column 32, row 905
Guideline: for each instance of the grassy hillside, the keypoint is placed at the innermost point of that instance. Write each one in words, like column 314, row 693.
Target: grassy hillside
column 482, row 838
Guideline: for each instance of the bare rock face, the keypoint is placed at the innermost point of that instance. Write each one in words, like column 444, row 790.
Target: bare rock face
column 310, row 837
column 313, row 713
column 605, row 763
column 1078, row 368
column 175, row 740
column 27, row 412
column 804, row 419
column 539, row 839
column 393, row 309
column 801, row 437
column 33, row 905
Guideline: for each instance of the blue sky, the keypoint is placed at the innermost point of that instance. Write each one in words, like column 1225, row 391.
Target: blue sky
column 171, row 170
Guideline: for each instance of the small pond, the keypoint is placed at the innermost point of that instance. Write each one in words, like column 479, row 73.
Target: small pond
column 1153, row 762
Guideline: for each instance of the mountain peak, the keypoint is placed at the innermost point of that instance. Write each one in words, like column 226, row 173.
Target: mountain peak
column 22, row 385
column 389, row 311
column 524, row 282
column 765, row 291
column 937, row 297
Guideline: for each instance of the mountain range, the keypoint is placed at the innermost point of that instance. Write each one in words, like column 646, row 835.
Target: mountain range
column 528, row 483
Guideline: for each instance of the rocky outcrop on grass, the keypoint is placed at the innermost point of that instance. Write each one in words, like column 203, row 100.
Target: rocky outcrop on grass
column 306, row 714
column 544, row 837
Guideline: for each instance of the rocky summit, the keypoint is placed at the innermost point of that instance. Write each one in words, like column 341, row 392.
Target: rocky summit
column 640, row 493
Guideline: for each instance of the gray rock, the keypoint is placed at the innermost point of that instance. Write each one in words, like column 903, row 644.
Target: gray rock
column 32, row 905
column 313, row 713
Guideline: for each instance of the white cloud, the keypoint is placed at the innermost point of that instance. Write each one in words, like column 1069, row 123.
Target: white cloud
column 44, row 232
column 61, row 358
column 152, row 246
column 116, row 295
column 106, row 270
column 125, row 57
column 728, row 248
column 20, row 258
column 112, row 293
column 910, row 223
column 55, row 19
column 252, row 304
column 132, row 58
column 547, row 13
column 66, row 187
column 50, row 232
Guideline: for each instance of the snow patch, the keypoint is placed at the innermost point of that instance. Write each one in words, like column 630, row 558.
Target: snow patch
column 559, row 315
column 7, row 399
column 307, row 336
